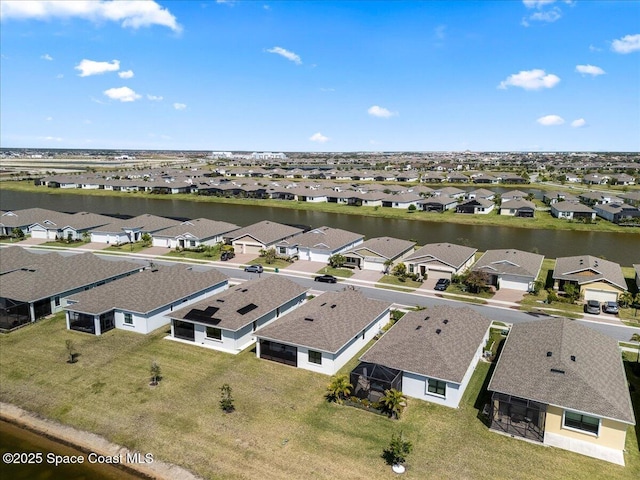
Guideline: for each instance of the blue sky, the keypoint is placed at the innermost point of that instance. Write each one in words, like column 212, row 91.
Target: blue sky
column 532, row 75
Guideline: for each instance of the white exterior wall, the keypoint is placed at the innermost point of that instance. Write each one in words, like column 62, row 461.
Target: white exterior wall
column 162, row 242
column 110, row 238
column 513, row 282
column 39, row 232
column 331, row 363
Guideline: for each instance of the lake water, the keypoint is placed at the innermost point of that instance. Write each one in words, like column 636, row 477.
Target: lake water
column 14, row 439
column 623, row 248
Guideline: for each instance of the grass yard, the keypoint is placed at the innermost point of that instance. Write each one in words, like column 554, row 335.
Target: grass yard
column 277, row 263
column 282, row 427
column 127, row 247
column 63, row 244
column 187, row 254
column 391, row 281
column 336, row 272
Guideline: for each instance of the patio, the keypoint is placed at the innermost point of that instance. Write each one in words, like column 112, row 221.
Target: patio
column 517, row 417
column 370, row 381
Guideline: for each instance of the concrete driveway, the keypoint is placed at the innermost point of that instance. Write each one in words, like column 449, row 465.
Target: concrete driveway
column 31, row 241
column 508, row 295
column 306, row 266
column 367, row 275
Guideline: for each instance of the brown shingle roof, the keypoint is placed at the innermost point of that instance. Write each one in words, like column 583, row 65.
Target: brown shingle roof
column 446, row 253
column 574, row 268
column 583, row 371
column 510, row 262
column 147, row 291
column 387, row 247
column 200, row 228
column 326, row 238
column 422, row 343
column 267, row 232
column 266, row 294
column 327, row 322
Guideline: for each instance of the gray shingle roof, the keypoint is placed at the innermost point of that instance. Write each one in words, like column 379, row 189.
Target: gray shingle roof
column 267, row 232
column 587, row 376
column 147, row 291
column 54, row 274
column 570, row 207
column 387, row 247
column 27, row 216
column 587, row 269
column 266, row 294
column 337, row 318
column 414, row 345
column 201, row 228
column 446, row 253
column 325, row 238
column 510, row 262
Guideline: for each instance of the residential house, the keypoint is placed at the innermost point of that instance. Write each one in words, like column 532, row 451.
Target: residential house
column 480, row 193
column 319, row 244
column 441, row 260
column 193, row 234
column 36, row 285
column 131, row 230
column 141, row 303
column 67, row 226
column 401, row 200
column 637, row 270
column 618, row 212
column 572, row 211
column 432, row 177
column 435, row 350
column 597, row 279
column 512, row 269
column 562, row 384
column 23, row 219
column 378, row 254
column 437, row 204
column 324, row 333
column 622, row 179
column 518, row 208
column 595, row 179
column 475, row 206
column 513, row 195
column 262, row 236
column 228, row 321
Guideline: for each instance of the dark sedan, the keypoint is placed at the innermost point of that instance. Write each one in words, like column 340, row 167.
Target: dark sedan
column 326, row 279
column 442, row 284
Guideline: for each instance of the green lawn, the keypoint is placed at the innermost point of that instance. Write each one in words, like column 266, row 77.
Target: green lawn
column 63, row 244
column 127, row 247
column 391, row 281
column 277, row 263
column 214, row 256
column 336, row 272
column 282, row 427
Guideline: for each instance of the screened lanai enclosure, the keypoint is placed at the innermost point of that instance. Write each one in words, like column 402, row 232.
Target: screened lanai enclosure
column 518, row 417
column 370, row 380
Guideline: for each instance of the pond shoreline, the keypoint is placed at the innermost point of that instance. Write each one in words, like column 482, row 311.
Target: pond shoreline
column 88, row 442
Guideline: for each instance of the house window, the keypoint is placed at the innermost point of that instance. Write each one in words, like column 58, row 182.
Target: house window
column 214, row 333
column 56, row 301
column 315, row 357
column 437, row 387
column 128, row 319
column 282, row 250
column 581, row 422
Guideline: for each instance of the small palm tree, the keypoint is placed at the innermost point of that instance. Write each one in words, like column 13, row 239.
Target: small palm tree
column 338, row 389
column 393, row 403
column 626, row 299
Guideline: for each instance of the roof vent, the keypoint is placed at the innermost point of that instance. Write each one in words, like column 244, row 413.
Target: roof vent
column 220, row 300
column 245, row 290
column 556, row 370
column 445, row 321
column 549, row 354
column 418, row 327
column 308, row 319
column 323, row 304
column 333, row 306
column 438, row 331
column 426, row 318
column 573, row 358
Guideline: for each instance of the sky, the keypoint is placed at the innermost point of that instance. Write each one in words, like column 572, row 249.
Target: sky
column 321, row 76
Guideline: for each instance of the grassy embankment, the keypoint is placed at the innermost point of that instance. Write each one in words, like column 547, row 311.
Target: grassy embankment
column 282, row 427
column 543, row 220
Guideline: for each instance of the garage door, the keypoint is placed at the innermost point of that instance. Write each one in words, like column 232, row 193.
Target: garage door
column 439, row 274
column 39, row 234
column 600, row 295
column 253, row 249
column 514, row 283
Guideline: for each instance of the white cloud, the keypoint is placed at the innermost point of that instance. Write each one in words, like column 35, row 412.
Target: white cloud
column 47, row 57
column 590, row 70
column 530, row 80
column 626, row 44
column 154, row 98
column 537, row 3
column 130, row 14
column 60, row 75
column 550, row 120
column 179, row 106
column 380, row 112
column 549, row 16
column 52, row 139
column 286, row 54
column 319, row 138
column 580, row 122
column 440, row 32
column 126, row 74
column 124, row 94
column 593, row 48
column 322, row 89
column 89, row 67
column 48, row 119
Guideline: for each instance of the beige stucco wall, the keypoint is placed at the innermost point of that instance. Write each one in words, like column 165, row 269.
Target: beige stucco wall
column 599, row 286
column 612, row 434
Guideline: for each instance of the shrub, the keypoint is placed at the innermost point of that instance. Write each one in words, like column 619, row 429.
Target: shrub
column 397, row 451
column 226, row 400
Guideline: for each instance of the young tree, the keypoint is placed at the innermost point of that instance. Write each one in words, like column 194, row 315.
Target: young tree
column 400, row 270
column 155, row 373
column 412, row 208
column 572, row 292
column 17, row 233
column 398, row 450
column 226, row 400
column 146, row 239
column 270, row 256
column 338, row 389
column 626, row 299
column 71, row 351
column 337, row 260
column 393, row 403
column 476, row 281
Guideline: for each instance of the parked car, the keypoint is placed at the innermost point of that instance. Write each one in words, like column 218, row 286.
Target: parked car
column 442, row 284
column 254, row 268
column 610, row 307
column 326, row 279
column 227, row 255
column 592, row 306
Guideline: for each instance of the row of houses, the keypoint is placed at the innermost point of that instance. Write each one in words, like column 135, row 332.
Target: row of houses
column 538, row 386
column 616, row 209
